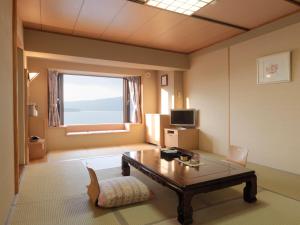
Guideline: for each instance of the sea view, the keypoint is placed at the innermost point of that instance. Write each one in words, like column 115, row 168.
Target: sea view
column 92, row 100
column 93, row 117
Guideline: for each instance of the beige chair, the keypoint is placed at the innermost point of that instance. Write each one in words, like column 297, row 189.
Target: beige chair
column 93, row 187
column 237, row 155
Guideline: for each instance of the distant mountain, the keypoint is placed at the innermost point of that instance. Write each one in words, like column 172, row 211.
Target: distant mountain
column 107, row 104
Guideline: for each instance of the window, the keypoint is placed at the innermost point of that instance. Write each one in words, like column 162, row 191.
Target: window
column 91, row 99
column 84, row 100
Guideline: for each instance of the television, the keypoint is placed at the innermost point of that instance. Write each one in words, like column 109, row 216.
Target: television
column 183, row 117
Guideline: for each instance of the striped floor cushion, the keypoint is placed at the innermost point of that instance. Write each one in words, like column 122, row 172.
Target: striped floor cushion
column 122, row 191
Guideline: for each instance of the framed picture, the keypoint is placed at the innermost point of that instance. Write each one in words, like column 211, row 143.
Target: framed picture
column 164, row 80
column 274, row 68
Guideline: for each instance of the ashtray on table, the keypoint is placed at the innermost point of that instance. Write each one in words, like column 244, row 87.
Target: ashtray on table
column 190, row 163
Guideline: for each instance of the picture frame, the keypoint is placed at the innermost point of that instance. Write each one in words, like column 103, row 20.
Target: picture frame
column 274, row 68
column 164, row 80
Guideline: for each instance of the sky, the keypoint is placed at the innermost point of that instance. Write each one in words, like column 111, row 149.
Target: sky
column 91, row 87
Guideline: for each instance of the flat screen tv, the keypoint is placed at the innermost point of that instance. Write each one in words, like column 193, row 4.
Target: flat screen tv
column 183, row 117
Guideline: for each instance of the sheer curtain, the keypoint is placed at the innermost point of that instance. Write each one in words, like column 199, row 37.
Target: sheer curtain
column 53, row 103
column 134, row 88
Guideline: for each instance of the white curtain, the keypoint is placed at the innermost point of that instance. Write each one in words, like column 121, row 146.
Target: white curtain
column 54, row 119
column 134, row 87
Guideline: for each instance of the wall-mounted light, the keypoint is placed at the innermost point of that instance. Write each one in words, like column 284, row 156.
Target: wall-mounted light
column 32, row 75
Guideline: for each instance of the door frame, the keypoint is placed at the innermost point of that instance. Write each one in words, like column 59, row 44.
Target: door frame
column 15, row 96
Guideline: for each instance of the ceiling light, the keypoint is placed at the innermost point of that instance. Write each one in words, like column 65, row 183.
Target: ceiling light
column 180, row 10
column 201, row 4
column 172, row 8
column 162, row 5
column 152, row 3
column 187, row 7
column 188, row 12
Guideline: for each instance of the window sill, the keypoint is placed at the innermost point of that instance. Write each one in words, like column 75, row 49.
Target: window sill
column 96, row 132
column 76, row 130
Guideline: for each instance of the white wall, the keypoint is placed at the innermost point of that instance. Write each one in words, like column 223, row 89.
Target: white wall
column 206, row 89
column 170, row 96
column 166, row 99
column 122, row 54
column 264, row 118
column 6, row 110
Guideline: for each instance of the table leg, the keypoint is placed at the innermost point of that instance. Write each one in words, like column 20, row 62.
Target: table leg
column 250, row 190
column 184, row 209
column 125, row 168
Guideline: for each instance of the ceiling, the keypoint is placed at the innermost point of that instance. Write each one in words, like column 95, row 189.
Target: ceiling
column 127, row 22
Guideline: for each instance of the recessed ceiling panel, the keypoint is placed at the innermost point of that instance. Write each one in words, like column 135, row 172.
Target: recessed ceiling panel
column 212, row 35
column 96, row 16
column 247, row 13
column 60, row 14
column 153, row 29
column 131, row 17
column 30, row 12
column 192, row 34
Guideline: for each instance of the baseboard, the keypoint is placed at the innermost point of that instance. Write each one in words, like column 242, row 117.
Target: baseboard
column 281, row 182
column 274, row 180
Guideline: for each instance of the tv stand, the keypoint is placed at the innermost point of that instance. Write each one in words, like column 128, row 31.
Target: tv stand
column 187, row 138
column 181, row 128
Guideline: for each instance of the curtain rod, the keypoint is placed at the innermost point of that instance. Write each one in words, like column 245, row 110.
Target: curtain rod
column 88, row 73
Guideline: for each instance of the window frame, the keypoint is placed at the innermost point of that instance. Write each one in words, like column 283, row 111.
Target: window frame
column 61, row 98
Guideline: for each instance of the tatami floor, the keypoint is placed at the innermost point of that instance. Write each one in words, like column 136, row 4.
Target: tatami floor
column 54, row 192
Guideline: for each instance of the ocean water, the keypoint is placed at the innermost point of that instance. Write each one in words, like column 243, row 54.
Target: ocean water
column 93, row 117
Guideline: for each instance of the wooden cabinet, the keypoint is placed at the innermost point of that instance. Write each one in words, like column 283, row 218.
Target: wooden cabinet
column 182, row 138
column 37, row 149
column 155, row 125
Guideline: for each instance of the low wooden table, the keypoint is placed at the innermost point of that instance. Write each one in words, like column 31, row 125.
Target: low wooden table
column 187, row 181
